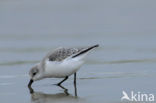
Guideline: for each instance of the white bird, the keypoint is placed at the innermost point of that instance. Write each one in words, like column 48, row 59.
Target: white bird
column 60, row 63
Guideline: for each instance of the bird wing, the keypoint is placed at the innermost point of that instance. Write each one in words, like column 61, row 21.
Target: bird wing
column 84, row 51
column 62, row 53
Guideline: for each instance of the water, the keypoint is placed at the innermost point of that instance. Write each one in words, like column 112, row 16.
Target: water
column 125, row 60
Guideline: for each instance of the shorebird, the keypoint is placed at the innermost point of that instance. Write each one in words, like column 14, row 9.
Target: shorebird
column 60, row 63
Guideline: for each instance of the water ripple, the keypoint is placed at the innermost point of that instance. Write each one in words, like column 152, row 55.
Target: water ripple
column 12, row 76
column 5, row 84
column 120, row 75
column 11, row 63
column 123, row 61
column 22, row 50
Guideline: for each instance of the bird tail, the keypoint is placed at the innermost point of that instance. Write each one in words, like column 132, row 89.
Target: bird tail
column 85, row 51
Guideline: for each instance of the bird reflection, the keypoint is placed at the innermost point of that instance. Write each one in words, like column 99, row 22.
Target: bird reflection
column 39, row 97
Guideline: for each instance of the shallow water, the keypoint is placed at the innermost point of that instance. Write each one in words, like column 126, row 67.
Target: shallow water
column 125, row 60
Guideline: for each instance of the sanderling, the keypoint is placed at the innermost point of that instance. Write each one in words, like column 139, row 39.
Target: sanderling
column 61, row 63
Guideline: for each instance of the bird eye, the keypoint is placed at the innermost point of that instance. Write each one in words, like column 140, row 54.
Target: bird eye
column 34, row 73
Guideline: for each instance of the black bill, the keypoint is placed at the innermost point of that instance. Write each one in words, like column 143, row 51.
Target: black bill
column 30, row 83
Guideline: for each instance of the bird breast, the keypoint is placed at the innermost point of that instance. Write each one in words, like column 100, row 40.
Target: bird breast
column 63, row 68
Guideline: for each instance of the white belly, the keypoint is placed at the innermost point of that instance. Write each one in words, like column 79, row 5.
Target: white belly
column 62, row 69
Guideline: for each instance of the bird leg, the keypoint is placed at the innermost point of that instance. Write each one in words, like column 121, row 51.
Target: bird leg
column 63, row 80
column 65, row 89
column 75, row 84
column 75, row 78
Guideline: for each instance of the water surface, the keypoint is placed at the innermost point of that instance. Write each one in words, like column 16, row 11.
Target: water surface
column 125, row 60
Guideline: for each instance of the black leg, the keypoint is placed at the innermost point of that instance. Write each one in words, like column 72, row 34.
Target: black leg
column 74, row 78
column 63, row 80
column 75, row 85
column 65, row 90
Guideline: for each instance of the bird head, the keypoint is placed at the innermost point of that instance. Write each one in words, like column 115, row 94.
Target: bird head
column 35, row 74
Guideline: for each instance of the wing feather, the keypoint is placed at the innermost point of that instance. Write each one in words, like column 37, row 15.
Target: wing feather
column 61, row 53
